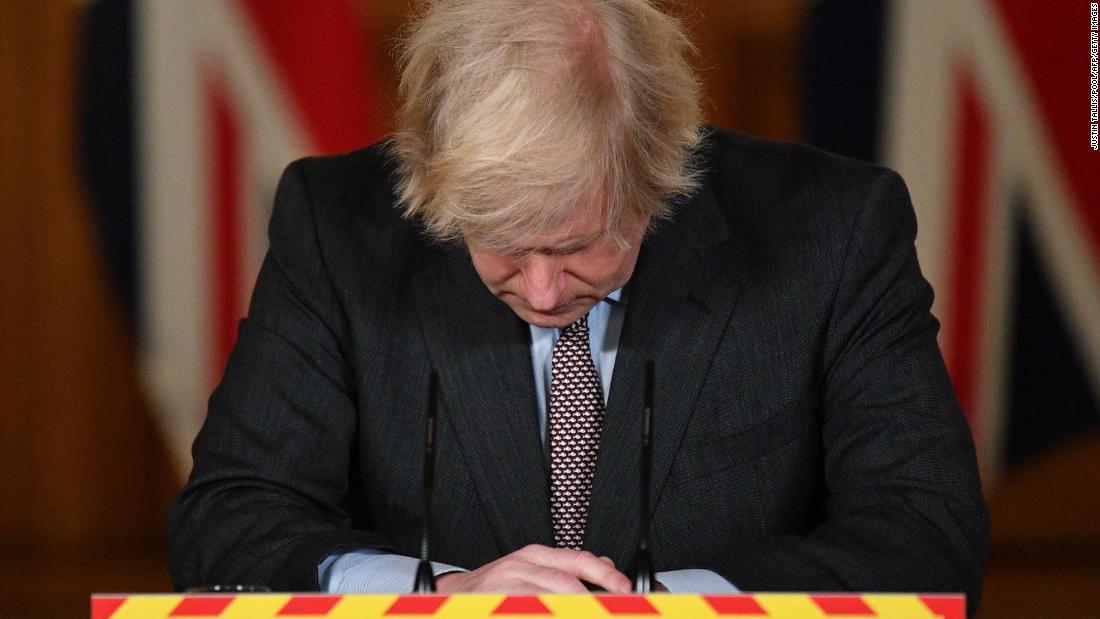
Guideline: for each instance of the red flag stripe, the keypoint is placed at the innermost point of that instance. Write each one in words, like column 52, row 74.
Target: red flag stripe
column 225, row 228
column 321, row 53
column 968, row 242
column 1052, row 42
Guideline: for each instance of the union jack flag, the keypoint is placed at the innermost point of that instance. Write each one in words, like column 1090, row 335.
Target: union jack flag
column 192, row 110
column 983, row 106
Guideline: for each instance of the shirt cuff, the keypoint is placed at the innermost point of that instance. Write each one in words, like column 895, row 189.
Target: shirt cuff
column 372, row 571
column 695, row 581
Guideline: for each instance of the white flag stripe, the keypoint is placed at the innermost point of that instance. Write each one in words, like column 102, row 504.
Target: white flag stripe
column 933, row 41
column 180, row 44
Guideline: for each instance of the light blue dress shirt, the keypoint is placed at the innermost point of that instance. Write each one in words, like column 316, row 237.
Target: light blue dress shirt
column 373, row 571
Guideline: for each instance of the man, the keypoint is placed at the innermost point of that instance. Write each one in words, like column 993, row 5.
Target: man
column 549, row 216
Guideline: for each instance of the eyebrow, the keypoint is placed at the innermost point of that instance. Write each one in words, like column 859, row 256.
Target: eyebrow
column 568, row 245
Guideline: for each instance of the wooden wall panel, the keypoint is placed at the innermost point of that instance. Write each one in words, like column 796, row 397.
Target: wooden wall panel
column 86, row 480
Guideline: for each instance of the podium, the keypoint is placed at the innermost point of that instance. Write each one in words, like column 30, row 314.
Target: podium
column 497, row 606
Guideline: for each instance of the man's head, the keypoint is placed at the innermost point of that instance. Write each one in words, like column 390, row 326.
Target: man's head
column 551, row 280
column 547, row 136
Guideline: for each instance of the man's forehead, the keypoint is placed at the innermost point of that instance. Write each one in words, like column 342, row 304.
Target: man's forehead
column 558, row 240
column 584, row 223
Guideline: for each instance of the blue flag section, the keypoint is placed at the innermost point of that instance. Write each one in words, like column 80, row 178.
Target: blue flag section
column 842, row 68
column 107, row 140
column 1049, row 398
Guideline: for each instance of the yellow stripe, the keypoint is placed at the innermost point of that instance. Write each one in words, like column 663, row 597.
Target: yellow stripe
column 789, row 605
column 683, row 606
column 246, row 607
column 147, row 606
column 777, row 606
column 899, row 606
column 580, row 606
column 362, row 606
column 462, row 606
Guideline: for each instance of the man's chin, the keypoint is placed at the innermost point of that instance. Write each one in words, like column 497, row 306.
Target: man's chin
column 554, row 320
column 548, row 322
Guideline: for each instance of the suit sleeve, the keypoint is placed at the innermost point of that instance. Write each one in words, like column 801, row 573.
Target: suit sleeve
column 272, row 461
column 904, row 509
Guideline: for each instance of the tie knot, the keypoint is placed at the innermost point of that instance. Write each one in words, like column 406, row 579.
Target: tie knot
column 578, row 327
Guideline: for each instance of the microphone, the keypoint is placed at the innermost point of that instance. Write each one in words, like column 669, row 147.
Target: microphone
column 425, row 579
column 641, row 569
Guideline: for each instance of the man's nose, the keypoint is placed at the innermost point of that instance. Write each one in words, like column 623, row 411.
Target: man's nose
column 544, row 281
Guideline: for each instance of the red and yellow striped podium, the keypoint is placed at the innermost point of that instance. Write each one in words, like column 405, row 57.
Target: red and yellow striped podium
column 772, row 605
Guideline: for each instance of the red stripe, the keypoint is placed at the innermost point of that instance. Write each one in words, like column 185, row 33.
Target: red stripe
column 201, row 606
column 309, row 605
column 842, row 605
column 626, row 605
column 416, row 605
column 225, row 228
column 321, row 53
column 1052, row 43
column 734, row 605
column 522, row 605
column 968, row 243
column 104, row 607
column 946, row 606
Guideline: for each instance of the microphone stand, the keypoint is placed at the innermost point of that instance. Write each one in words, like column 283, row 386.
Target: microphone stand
column 425, row 578
column 641, row 569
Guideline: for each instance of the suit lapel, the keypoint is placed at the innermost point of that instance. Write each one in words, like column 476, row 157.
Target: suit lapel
column 680, row 301
column 482, row 352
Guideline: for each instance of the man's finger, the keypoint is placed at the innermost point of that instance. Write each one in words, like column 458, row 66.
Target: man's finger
column 549, row 579
column 600, row 573
column 580, row 564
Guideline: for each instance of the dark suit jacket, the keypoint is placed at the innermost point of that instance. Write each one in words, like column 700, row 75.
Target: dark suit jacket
column 806, row 434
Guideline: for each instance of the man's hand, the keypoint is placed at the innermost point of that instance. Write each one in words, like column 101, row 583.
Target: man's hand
column 538, row 569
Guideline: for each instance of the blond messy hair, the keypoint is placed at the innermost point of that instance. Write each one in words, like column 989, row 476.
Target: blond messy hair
column 514, row 112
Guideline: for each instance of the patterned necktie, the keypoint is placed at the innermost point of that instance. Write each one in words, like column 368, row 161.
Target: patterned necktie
column 576, row 418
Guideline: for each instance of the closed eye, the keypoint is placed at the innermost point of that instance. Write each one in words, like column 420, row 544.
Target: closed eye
column 565, row 251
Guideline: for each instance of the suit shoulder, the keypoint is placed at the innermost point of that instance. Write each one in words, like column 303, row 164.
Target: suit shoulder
column 730, row 147
column 351, row 198
column 795, row 209
column 358, row 184
column 345, row 206
column 746, row 172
